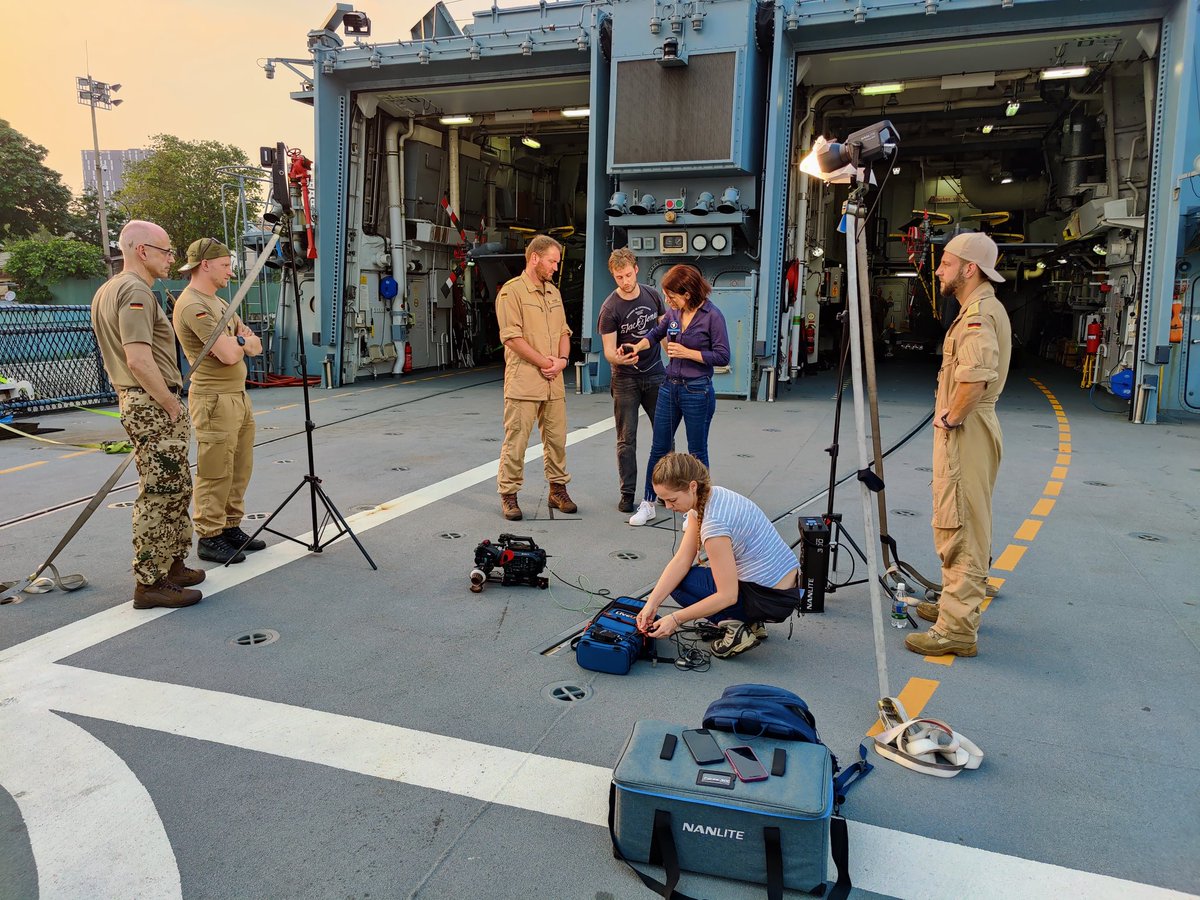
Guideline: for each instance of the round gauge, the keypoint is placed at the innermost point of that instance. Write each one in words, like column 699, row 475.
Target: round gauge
column 699, row 242
column 719, row 242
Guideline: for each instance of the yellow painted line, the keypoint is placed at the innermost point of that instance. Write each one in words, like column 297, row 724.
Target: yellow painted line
column 1064, row 448
column 1043, row 507
column 1028, row 530
column 947, row 660
column 289, row 406
column 913, row 698
column 987, row 601
column 995, row 582
column 1064, row 429
column 1064, row 459
column 319, row 400
column 1053, row 488
column 1059, row 472
column 40, row 462
column 1009, row 558
column 78, row 453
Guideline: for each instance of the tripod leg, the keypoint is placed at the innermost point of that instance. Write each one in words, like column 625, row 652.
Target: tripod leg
column 342, row 524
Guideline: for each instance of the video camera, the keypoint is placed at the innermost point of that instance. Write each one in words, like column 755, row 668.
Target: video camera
column 520, row 558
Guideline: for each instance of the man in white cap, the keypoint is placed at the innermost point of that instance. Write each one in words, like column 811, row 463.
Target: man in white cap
column 967, row 444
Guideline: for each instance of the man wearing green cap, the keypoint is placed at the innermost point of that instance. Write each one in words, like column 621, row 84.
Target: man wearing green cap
column 222, row 416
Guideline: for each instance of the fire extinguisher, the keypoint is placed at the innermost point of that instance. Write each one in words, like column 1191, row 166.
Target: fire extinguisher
column 1093, row 336
column 407, row 358
column 1176, row 332
column 810, row 338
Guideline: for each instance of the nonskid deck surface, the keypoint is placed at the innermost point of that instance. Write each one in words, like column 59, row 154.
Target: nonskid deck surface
column 402, row 736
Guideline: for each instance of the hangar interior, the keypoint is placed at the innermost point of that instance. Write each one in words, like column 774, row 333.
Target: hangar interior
column 1055, row 169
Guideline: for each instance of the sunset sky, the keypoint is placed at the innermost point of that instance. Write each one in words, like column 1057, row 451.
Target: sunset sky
column 186, row 67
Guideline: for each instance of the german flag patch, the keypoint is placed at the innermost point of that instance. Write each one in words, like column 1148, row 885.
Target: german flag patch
column 202, row 315
column 974, row 324
column 136, row 305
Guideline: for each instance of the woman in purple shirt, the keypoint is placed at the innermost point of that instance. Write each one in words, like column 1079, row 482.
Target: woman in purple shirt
column 697, row 340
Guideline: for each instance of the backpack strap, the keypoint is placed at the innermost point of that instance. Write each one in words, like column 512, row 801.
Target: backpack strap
column 843, row 780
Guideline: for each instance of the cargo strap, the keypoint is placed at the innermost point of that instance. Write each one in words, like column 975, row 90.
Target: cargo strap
column 663, row 853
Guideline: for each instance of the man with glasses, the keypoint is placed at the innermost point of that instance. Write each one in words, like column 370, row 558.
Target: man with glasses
column 222, row 416
column 138, row 348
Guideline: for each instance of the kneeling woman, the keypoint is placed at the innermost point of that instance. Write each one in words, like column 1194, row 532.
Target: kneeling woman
column 752, row 577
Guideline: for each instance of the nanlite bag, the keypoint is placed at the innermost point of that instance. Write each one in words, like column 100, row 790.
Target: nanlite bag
column 665, row 809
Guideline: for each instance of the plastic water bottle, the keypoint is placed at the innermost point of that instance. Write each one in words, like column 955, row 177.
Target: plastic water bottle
column 900, row 606
column 672, row 331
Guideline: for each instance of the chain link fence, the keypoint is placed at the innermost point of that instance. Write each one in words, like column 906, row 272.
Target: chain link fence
column 49, row 356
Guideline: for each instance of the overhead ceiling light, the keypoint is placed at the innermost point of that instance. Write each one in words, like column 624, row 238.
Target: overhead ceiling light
column 860, row 14
column 1100, row 250
column 577, row 112
column 907, row 274
column 817, row 251
column 527, row 47
column 474, row 51
column 1062, row 261
column 1065, row 72
column 457, row 120
column 1006, row 179
column 1012, row 108
column 988, row 129
column 896, row 170
column 883, row 87
column 1041, row 265
column 531, row 142
column 423, row 56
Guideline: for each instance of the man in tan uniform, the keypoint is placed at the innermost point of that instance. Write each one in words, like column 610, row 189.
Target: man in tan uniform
column 222, row 416
column 967, row 444
column 537, row 342
column 138, row 348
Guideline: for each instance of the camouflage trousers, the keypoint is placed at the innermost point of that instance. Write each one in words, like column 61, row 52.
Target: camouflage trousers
column 162, row 529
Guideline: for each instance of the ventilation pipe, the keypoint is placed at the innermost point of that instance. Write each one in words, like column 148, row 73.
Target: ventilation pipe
column 1110, row 138
column 492, row 169
column 1077, row 144
column 394, row 142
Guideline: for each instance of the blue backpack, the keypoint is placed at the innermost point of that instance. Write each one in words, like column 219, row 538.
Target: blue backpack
column 763, row 710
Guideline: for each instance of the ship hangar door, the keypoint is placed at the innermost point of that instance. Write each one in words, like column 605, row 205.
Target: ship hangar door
column 1056, row 170
column 508, row 154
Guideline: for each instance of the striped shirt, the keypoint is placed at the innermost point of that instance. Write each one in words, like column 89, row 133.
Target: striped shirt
column 761, row 555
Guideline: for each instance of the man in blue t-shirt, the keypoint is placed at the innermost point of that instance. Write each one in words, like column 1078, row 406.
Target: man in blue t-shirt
column 626, row 315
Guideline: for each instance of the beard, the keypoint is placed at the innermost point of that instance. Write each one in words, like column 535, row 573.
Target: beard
column 950, row 288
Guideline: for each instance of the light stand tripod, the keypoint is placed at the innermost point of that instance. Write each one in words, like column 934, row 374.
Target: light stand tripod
column 311, row 481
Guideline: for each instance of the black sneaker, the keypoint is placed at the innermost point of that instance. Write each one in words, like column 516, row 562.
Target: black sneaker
column 626, row 503
column 218, row 549
column 238, row 538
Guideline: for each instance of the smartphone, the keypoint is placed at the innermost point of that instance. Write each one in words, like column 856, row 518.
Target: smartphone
column 703, row 746
column 745, row 763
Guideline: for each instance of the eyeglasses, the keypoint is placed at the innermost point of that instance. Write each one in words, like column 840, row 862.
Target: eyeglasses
column 170, row 251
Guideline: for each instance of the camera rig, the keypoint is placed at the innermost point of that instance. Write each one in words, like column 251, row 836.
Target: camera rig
column 521, row 560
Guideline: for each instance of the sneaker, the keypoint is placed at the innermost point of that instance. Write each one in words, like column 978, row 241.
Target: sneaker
column 179, row 574
column 759, row 629
column 934, row 643
column 738, row 638
column 560, row 499
column 928, row 610
column 163, row 593
column 626, row 504
column 512, row 512
column 217, row 549
column 646, row 512
column 241, row 540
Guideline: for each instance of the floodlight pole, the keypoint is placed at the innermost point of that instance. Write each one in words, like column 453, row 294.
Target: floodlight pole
column 99, row 92
column 853, row 213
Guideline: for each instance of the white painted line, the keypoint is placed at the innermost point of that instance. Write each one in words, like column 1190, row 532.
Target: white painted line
column 93, row 829
column 883, row 860
column 96, row 629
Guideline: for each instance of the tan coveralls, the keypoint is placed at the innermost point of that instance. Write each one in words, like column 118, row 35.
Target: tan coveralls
column 965, row 460
column 535, row 313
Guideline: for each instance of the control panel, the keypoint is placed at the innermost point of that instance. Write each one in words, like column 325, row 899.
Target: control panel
column 708, row 241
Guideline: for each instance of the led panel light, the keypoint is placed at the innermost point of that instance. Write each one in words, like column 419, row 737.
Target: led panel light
column 531, row 142
column 457, row 120
column 988, row 129
column 1013, row 107
column 577, row 112
column 1065, row 72
column 883, row 87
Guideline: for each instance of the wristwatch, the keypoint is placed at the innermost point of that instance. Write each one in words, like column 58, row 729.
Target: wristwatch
column 242, row 343
column 946, row 423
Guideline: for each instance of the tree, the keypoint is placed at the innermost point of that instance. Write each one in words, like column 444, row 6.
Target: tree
column 36, row 265
column 32, row 196
column 84, row 218
column 179, row 188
